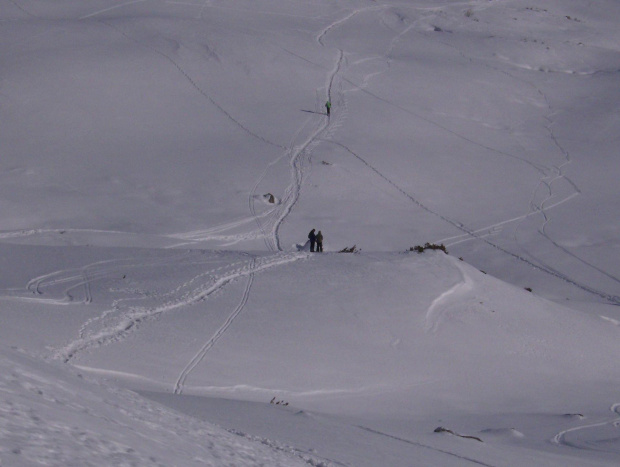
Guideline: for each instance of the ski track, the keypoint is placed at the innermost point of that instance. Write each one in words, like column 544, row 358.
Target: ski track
column 269, row 240
column 199, row 357
column 494, row 229
column 8, row 234
column 150, row 295
column 548, row 183
column 78, row 278
column 194, row 85
column 321, row 35
column 615, row 322
column 22, row 9
column 434, row 312
column 124, row 321
column 299, row 157
column 560, row 438
column 482, row 234
column 82, row 278
column 420, row 445
column 105, row 10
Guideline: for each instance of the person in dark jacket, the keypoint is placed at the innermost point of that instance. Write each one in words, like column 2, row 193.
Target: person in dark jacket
column 328, row 107
column 312, row 238
column 319, row 242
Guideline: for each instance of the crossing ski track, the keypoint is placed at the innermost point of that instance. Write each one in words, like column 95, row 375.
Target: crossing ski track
column 199, row 357
column 550, row 176
column 121, row 321
column 44, row 288
column 560, row 438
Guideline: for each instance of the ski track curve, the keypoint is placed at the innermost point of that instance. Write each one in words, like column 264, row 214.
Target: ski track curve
column 82, row 277
column 560, row 438
column 199, row 357
column 77, row 278
column 435, row 310
column 105, row 10
column 121, row 322
column 269, row 239
column 321, row 35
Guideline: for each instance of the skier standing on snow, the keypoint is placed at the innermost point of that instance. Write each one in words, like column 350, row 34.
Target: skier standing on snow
column 312, row 238
column 319, row 242
column 328, row 106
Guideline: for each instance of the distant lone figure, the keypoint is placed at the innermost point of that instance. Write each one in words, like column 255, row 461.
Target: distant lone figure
column 312, row 238
column 328, row 106
column 319, row 242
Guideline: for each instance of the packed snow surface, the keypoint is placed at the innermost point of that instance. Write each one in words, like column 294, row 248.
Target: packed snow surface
column 162, row 163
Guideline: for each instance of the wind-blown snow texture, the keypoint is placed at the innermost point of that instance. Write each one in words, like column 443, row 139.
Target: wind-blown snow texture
column 163, row 161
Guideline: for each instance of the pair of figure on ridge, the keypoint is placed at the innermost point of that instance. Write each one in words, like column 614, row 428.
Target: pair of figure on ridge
column 316, row 239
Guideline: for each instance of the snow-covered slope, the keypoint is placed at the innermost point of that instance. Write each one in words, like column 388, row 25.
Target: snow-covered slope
column 488, row 125
column 53, row 416
column 163, row 161
column 364, row 350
